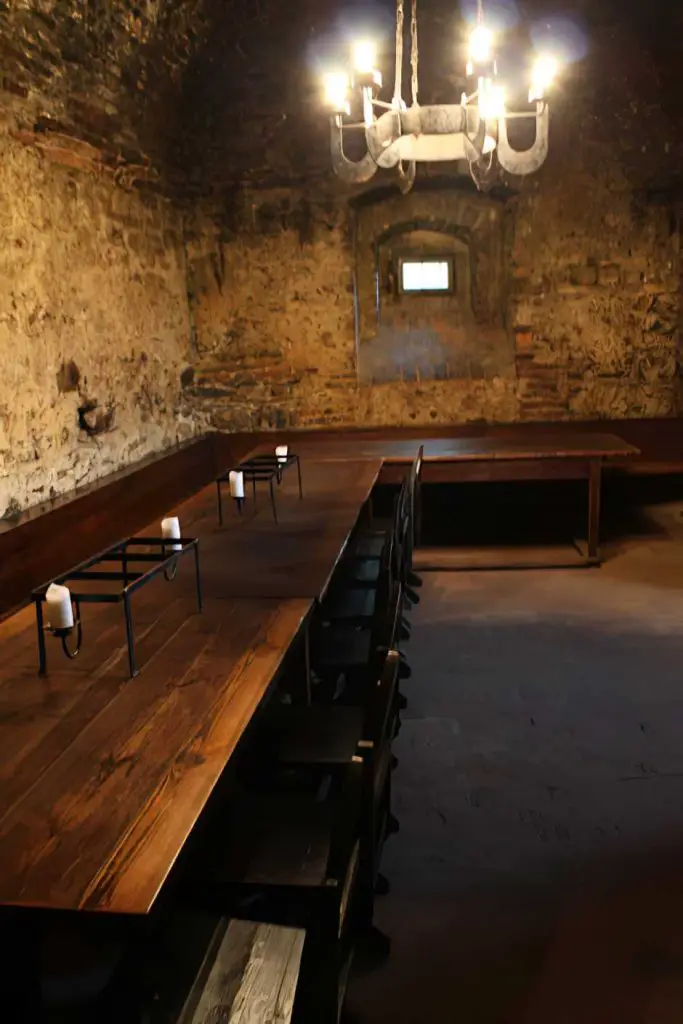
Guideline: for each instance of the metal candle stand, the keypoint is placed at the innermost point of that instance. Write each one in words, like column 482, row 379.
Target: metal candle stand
column 260, row 468
column 124, row 552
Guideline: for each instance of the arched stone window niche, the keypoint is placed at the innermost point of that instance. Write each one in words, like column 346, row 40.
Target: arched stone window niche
column 415, row 336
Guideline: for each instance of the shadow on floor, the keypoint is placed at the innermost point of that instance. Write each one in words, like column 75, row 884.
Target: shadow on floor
column 538, row 874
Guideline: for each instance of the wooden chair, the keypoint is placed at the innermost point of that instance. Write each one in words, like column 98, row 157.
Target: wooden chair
column 357, row 653
column 331, row 736
column 365, row 550
column 350, row 602
column 249, row 973
column 287, row 850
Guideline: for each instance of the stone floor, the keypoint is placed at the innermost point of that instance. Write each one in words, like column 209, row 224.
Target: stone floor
column 538, row 874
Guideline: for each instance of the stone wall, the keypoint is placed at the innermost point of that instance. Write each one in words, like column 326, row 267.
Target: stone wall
column 587, row 321
column 425, row 337
column 178, row 254
column 95, row 329
column 587, row 325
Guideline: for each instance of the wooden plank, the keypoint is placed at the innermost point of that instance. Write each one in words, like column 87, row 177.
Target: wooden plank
column 556, row 556
column 254, row 556
column 550, row 444
column 253, row 978
column 495, row 470
column 103, row 826
column 40, row 717
column 49, row 539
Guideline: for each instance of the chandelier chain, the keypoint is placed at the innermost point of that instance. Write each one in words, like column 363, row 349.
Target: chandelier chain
column 398, row 80
column 480, row 12
column 414, row 54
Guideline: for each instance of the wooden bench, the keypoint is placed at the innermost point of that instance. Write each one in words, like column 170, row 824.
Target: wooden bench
column 249, row 975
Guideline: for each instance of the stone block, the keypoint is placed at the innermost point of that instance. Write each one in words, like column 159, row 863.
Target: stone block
column 609, row 275
column 583, row 275
column 524, row 342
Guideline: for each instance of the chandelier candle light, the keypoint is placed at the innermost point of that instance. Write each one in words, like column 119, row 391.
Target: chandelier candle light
column 474, row 130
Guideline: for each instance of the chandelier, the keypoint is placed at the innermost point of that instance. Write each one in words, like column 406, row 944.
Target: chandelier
column 401, row 136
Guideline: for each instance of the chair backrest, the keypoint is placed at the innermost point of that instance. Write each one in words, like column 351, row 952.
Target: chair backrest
column 415, row 500
column 382, row 703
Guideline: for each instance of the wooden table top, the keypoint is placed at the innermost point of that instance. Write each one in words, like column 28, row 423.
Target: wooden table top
column 471, row 449
column 253, row 556
column 102, row 777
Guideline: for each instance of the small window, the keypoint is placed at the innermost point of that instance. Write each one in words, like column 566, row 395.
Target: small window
column 431, row 276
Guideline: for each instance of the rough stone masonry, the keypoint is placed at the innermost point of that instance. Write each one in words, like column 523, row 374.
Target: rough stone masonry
column 177, row 255
column 584, row 256
column 94, row 320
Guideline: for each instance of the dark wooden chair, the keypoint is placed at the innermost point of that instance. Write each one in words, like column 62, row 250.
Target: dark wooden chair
column 287, row 851
column 361, row 564
column 341, row 648
column 331, row 736
column 250, row 973
column 192, row 965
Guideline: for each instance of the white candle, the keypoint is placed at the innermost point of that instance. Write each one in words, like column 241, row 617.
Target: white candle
column 236, row 483
column 170, row 528
column 282, row 451
column 60, row 613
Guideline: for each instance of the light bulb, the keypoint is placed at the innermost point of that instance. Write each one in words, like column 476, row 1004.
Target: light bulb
column 480, row 45
column 543, row 74
column 364, row 56
column 337, row 91
column 491, row 100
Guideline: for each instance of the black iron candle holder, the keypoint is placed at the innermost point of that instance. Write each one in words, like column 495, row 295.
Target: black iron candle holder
column 130, row 580
column 67, row 631
column 268, row 469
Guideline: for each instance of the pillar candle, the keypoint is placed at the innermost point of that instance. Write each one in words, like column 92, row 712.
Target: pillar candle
column 170, row 528
column 282, row 451
column 236, row 483
column 60, row 613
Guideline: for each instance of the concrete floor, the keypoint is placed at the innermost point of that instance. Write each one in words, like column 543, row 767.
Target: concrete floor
column 538, row 874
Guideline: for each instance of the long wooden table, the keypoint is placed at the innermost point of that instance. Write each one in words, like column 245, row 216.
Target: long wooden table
column 251, row 556
column 103, row 778
column 556, row 456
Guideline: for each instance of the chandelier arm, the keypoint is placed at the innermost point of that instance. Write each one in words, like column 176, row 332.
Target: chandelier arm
column 398, row 79
column 528, row 161
column 353, row 172
column 481, row 172
column 474, row 144
column 406, row 179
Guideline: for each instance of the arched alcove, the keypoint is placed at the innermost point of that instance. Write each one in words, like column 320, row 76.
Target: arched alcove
column 457, row 333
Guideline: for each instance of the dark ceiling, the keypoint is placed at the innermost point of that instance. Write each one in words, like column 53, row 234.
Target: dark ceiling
column 217, row 92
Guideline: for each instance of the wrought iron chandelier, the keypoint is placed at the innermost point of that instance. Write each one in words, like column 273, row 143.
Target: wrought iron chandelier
column 401, row 136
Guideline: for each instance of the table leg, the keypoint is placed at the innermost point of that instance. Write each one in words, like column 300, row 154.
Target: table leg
column 42, row 654
column 129, row 636
column 307, row 663
column 272, row 499
column 198, row 578
column 220, row 503
column 21, row 992
column 298, row 469
column 594, row 488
